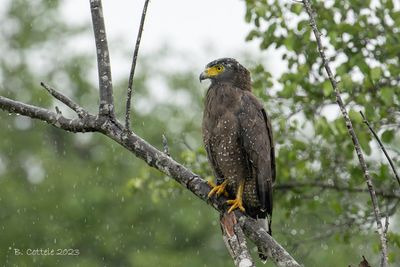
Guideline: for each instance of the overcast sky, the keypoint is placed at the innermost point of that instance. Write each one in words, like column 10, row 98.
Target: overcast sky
column 204, row 30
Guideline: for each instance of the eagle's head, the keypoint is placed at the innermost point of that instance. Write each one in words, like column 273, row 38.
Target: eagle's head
column 227, row 70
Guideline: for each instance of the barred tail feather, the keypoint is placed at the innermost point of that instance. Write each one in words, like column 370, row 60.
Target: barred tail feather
column 266, row 225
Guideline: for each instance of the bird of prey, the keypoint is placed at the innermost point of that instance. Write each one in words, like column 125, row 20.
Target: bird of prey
column 237, row 136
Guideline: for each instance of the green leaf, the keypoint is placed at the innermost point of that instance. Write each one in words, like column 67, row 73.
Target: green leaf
column 376, row 73
column 296, row 8
column 386, row 95
column 355, row 116
column 288, row 91
column 389, row 4
column 364, row 139
column 289, row 42
column 252, row 34
column 387, row 136
column 347, row 82
column 327, row 88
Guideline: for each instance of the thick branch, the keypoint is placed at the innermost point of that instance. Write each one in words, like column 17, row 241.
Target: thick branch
column 264, row 241
column 133, row 67
column 106, row 107
column 235, row 240
column 350, row 129
column 109, row 126
column 199, row 187
column 292, row 185
column 159, row 161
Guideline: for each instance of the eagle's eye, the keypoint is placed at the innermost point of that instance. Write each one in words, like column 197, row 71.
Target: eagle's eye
column 219, row 68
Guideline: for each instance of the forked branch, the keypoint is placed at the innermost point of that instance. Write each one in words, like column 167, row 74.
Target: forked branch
column 107, row 124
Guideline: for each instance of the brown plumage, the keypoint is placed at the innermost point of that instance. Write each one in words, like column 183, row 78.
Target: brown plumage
column 238, row 139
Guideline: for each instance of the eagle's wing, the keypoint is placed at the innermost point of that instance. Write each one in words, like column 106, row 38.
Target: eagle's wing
column 256, row 135
column 214, row 164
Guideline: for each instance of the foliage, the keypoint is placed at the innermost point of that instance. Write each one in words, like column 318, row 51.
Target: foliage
column 312, row 139
column 62, row 190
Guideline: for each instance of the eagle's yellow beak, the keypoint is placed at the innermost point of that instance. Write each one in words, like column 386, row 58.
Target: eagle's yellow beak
column 210, row 72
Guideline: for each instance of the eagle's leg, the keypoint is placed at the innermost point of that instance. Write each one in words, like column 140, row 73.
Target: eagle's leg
column 237, row 202
column 218, row 189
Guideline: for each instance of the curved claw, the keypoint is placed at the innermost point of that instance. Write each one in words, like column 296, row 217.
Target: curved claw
column 218, row 189
column 236, row 203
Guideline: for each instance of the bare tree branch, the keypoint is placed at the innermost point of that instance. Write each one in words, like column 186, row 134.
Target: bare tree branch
column 327, row 186
column 133, row 67
column 53, row 118
column 106, row 107
column 264, row 241
column 350, row 129
column 235, row 241
column 108, row 125
column 381, row 146
column 160, row 161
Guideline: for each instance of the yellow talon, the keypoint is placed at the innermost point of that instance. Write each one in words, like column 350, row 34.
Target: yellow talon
column 237, row 202
column 218, row 189
column 211, row 183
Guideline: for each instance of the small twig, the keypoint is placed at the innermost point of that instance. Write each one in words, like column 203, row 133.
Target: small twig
column 133, row 67
column 106, row 107
column 294, row 185
column 235, row 241
column 382, row 147
column 165, row 145
column 386, row 222
column 350, row 129
column 66, row 100
column 364, row 263
column 54, row 118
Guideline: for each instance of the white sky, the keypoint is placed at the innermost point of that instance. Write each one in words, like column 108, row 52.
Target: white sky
column 203, row 30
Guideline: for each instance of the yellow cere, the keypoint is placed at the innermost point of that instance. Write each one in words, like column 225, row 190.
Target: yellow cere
column 214, row 70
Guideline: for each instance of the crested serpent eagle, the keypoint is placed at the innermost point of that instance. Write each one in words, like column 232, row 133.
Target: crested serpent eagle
column 237, row 135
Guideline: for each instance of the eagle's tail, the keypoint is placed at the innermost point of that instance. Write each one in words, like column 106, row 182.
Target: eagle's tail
column 265, row 224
